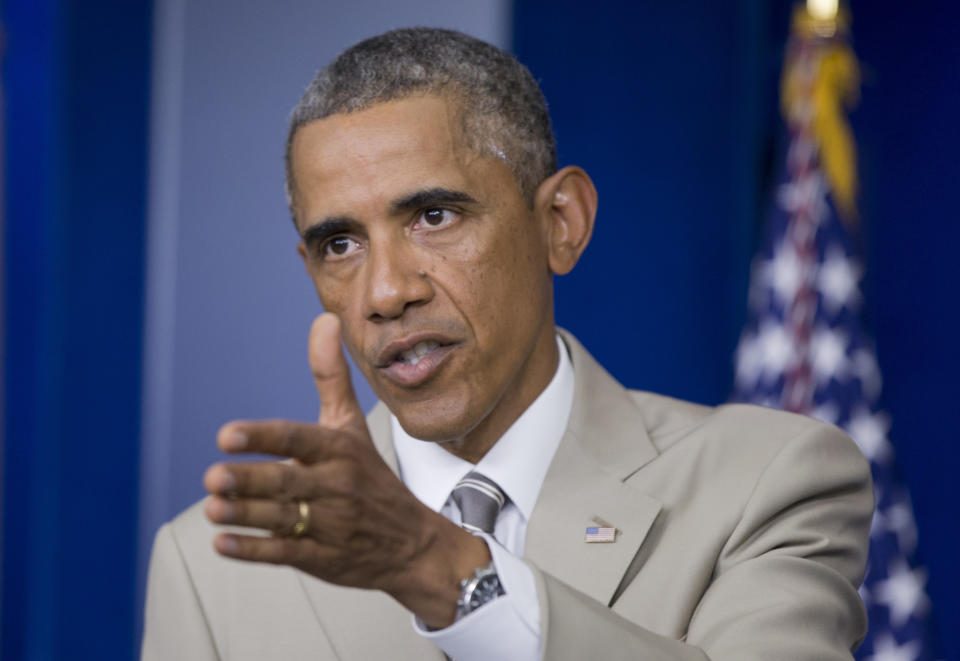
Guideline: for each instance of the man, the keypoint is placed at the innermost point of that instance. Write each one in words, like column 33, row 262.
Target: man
column 423, row 182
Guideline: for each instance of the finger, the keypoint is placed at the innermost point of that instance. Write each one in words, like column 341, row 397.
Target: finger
column 339, row 408
column 279, row 518
column 282, row 481
column 299, row 552
column 281, row 438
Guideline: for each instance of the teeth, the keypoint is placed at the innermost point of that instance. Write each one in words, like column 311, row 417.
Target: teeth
column 421, row 349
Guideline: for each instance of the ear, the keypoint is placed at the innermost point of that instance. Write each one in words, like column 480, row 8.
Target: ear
column 566, row 203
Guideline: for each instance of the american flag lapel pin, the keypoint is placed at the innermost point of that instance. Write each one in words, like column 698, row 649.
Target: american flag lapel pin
column 600, row 535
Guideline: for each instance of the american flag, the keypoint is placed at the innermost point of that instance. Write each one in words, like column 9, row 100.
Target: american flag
column 600, row 534
column 803, row 349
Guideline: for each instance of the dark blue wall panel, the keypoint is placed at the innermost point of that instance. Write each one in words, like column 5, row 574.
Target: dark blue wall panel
column 663, row 104
column 75, row 82
column 32, row 168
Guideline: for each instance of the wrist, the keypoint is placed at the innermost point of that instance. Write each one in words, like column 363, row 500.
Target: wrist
column 431, row 583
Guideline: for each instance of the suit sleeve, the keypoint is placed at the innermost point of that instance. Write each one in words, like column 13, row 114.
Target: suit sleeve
column 784, row 585
column 175, row 626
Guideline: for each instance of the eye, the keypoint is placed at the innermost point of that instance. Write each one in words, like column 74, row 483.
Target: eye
column 338, row 247
column 436, row 217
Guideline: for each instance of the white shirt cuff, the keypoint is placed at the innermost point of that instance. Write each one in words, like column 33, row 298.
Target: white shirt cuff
column 506, row 628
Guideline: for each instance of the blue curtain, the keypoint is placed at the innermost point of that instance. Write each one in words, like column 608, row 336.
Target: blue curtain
column 75, row 79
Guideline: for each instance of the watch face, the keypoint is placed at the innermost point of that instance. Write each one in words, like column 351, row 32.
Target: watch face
column 487, row 589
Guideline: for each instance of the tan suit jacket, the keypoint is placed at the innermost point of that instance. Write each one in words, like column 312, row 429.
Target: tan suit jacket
column 742, row 536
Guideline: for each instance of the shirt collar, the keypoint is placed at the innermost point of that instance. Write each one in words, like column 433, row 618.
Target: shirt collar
column 518, row 462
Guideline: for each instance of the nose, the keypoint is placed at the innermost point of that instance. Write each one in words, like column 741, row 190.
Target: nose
column 395, row 281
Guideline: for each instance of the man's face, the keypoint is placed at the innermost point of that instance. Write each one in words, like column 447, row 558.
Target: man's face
column 434, row 262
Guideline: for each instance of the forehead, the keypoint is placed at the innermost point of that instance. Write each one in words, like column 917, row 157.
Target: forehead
column 412, row 122
column 413, row 142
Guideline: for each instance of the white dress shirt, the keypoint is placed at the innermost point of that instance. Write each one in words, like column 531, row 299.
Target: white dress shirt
column 509, row 626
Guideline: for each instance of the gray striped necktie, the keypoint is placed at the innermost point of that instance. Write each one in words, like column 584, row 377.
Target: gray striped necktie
column 479, row 500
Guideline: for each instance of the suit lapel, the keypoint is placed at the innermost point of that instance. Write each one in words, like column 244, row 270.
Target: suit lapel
column 605, row 442
column 378, row 422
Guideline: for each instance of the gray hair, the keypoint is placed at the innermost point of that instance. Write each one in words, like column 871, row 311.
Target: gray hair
column 501, row 107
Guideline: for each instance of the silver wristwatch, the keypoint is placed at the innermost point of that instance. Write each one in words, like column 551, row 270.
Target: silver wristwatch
column 484, row 586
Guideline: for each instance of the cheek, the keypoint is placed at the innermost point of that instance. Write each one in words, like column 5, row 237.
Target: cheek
column 516, row 262
column 333, row 289
column 336, row 295
column 502, row 278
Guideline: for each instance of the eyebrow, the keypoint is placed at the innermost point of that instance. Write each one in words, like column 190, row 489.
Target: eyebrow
column 320, row 232
column 430, row 197
column 328, row 227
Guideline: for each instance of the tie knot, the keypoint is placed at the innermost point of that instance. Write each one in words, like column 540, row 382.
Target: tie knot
column 479, row 500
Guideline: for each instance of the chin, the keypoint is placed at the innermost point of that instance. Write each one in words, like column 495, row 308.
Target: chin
column 433, row 421
column 435, row 429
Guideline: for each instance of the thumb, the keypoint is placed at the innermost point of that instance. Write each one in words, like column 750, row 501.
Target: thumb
column 339, row 408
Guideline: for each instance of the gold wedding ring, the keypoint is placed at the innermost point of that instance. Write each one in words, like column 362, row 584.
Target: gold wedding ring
column 300, row 527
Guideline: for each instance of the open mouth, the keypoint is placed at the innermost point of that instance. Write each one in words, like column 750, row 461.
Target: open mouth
column 415, row 360
column 418, row 352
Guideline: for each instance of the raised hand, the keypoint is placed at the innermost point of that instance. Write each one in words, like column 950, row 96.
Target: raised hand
column 362, row 527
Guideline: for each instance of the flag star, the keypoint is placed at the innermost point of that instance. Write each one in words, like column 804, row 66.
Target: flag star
column 749, row 360
column 784, row 273
column 807, row 191
column 869, row 430
column 837, row 280
column 828, row 350
column 899, row 518
column 776, row 348
column 902, row 592
column 864, row 594
column 827, row 412
column 886, row 648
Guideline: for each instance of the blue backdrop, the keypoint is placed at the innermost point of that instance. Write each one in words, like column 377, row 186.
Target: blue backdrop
column 670, row 106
